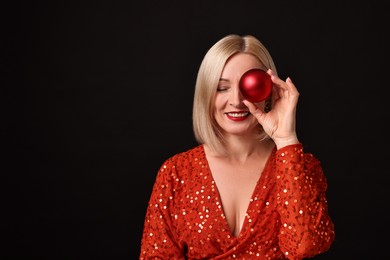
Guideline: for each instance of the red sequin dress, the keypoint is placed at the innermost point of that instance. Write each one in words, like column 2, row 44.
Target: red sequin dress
column 287, row 217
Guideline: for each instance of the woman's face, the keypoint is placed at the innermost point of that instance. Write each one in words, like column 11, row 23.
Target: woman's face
column 231, row 114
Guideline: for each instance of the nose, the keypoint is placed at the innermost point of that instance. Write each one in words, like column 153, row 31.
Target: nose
column 236, row 98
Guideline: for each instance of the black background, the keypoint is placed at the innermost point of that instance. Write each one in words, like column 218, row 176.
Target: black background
column 95, row 95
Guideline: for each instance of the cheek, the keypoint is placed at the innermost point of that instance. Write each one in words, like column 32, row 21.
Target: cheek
column 218, row 103
column 217, row 114
column 218, row 111
column 219, row 99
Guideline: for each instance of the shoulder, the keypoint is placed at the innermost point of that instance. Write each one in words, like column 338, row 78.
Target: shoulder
column 181, row 167
column 186, row 158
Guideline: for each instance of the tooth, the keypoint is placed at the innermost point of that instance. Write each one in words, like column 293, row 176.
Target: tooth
column 238, row 114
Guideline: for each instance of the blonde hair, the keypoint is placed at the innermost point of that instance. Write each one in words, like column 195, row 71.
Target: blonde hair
column 205, row 127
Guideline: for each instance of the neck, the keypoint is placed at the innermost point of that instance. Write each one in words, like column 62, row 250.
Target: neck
column 241, row 148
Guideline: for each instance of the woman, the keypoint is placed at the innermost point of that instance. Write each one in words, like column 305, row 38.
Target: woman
column 248, row 190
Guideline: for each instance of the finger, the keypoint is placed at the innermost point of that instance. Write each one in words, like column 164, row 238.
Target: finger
column 270, row 72
column 276, row 80
column 291, row 86
column 275, row 94
column 283, row 87
column 254, row 110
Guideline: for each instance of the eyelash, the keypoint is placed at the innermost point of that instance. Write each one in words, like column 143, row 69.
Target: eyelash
column 220, row 89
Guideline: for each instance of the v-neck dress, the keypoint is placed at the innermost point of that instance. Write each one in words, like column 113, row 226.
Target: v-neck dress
column 287, row 217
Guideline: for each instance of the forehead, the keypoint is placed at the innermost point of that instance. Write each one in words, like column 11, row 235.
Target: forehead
column 240, row 63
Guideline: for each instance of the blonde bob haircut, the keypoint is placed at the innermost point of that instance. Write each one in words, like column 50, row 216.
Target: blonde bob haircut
column 205, row 127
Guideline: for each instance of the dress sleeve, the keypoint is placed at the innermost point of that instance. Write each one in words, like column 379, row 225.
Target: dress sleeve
column 306, row 227
column 158, row 239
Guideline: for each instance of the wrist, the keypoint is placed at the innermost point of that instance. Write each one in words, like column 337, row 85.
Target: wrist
column 283, row 142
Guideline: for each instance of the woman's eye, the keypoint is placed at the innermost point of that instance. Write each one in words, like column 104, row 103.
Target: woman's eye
column 219, row 89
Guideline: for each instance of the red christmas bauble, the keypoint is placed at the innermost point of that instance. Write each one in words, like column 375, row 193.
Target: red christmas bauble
column 255, row 85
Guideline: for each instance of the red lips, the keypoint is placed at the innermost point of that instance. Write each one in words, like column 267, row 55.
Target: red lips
column 255, row 85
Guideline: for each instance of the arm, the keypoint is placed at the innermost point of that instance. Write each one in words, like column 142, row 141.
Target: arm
column 158, row 238
column 306, row 228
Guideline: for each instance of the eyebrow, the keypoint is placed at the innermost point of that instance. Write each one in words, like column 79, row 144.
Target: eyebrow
column 222, row 79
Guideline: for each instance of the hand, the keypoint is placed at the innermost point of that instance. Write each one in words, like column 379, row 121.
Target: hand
column 280, row 122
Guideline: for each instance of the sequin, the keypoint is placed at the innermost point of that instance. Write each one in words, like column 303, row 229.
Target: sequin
column 191, row 224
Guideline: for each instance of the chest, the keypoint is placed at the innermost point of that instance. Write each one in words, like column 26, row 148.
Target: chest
column 236, row 186
column 204, row 212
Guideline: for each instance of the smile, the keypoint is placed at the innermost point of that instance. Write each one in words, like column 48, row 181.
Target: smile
column 237, row 116
column 242, row 114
